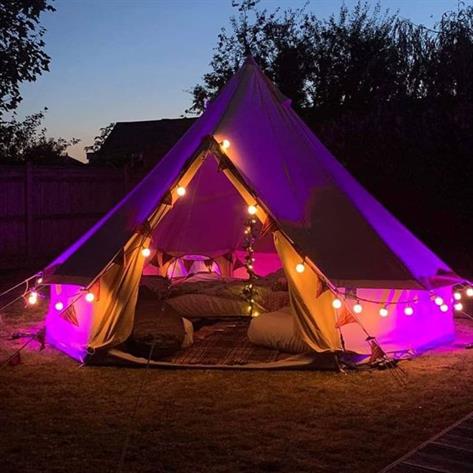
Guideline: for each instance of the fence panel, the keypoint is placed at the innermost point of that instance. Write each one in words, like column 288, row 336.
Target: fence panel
column 43, row 209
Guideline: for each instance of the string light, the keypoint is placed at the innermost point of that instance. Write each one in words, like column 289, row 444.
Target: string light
column 89, row 297
column 408, row 311
column 181, row 191
column 145, row 252
column 358, row 308
column 383, row 312
column 249, row 291
column 444, row 308
column 337, row 303
column 438, row 300
column 39, row 280
column 300, row 267
column 469, row 291
column 59, row 306
column 457, row 295
column 252, row 209
column 32, row 298
column 225, row 144
column 458, row 306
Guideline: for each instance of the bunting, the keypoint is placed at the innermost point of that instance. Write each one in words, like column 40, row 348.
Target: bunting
column 69, row 315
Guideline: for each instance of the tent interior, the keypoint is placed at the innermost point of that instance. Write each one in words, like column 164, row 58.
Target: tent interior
column 191, row 290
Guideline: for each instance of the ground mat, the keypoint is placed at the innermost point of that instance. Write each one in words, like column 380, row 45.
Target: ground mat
column 224, row 342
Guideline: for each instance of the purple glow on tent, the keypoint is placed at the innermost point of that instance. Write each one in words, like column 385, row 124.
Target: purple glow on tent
column 425, row 329
column 61, row 329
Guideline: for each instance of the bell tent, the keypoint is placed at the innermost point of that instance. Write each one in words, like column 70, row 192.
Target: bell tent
column 345, row 257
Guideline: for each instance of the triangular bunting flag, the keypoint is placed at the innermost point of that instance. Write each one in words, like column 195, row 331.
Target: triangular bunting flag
column 237, row 264
column 345, row 317
column 166, row 258
column 188, row 264
column 209, row 263
column 69, row 315
column 228, row 257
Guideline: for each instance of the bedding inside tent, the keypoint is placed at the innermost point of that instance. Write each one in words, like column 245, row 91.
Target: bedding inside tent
column 341, row 256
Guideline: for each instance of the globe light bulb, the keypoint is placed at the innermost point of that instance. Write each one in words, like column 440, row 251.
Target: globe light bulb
column 89, row 297
column 408, row 311
column 383, row 312
column 252, row 209
column 458, row 306
column 145, row 252
column 225, row 144
column 337, row 303
column 300, row 267
column 33, row 298
column 457, row 295
column 39, row 280
column 358, row 308
column 181, row 191
column 59, row 306
column 444, row 308
column 438, row 300
column 469, row 291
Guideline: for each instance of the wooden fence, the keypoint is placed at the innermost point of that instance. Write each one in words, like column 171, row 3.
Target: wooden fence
column 43, row 209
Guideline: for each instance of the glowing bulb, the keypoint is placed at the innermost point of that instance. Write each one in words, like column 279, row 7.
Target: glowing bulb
column 33, row 298
column 225, row 144
column 300, row 267
column 458, row 306
column 408, row 311
column 358, row 308
column 145, row 252
column 59, row 306
column 383, row 312
column 252, row 209
column 39, row 280
column 336, row 303
column 181, row 191
column 89, row 297
column 438, row 300
column 457, row 295
column 469, row 291
column 444, row 308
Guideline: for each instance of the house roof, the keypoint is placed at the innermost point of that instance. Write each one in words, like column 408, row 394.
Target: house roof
column 150, row 137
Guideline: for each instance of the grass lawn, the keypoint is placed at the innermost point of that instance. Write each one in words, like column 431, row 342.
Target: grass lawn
column 56, row 416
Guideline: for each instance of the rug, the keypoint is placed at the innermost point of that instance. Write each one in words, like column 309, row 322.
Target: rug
column 224, row 342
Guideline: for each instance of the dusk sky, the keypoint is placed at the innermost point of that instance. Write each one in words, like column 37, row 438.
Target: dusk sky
column 126, row 60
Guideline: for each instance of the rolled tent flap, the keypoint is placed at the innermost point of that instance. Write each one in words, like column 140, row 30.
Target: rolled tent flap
column 311, row 305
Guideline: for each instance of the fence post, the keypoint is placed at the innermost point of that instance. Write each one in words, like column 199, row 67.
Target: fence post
column 29, row 221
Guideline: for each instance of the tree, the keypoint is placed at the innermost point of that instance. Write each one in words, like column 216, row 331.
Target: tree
column 22, row 57
column 26, row 140
column 99, row 140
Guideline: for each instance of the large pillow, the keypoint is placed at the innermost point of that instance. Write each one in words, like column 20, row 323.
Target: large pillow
column 277, row 330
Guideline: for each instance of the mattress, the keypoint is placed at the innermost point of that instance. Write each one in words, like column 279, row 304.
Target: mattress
column 209, row 294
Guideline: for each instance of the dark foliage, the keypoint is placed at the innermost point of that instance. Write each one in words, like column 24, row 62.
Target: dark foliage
column 22, row 57
column 392, row 100
column 26, row 140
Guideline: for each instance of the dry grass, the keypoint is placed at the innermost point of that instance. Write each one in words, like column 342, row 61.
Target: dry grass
column 57, row 417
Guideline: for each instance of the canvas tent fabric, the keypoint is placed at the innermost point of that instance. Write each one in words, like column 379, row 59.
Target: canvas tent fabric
column 322, row 214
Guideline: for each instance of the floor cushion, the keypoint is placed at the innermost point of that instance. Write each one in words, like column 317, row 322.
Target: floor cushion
column 277, row 330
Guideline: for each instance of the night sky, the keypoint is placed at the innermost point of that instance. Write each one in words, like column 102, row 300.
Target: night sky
column 124, row 60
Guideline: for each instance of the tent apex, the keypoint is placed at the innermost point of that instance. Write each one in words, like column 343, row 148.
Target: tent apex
column 250, row 61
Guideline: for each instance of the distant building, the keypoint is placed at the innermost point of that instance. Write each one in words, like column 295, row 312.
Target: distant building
column 139, row 145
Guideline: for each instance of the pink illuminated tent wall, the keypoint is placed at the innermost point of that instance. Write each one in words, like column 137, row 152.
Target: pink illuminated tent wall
column 352, row 247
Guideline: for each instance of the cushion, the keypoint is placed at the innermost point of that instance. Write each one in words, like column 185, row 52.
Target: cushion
column 277, row 330
column 160, row 327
